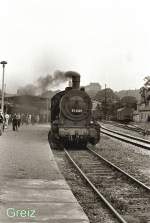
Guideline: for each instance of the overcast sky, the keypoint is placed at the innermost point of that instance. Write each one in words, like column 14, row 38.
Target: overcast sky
column 106, row 41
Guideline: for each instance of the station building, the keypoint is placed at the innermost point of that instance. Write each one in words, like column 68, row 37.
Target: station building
column 143, row 113
column 27, row 104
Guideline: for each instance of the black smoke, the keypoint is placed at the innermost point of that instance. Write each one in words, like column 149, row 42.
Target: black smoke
column 51, row 80
column 29, row 89
column 44, row 83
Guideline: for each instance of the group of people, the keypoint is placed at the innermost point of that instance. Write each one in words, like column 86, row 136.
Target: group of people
column 3, row 121
column 29, row 119
column 16, row 119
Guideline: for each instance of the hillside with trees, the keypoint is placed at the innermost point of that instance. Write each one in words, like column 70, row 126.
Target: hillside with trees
column 106, row 94
column 134, row 93
column 129, row 101
column 110, row 102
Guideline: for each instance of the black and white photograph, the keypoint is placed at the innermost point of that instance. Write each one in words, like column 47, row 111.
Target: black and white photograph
column 75, row 111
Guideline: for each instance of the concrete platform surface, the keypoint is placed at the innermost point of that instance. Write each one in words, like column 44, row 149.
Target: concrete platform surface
column 32, row 188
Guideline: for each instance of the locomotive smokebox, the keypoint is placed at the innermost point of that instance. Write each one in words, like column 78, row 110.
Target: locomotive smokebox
column 75, row 79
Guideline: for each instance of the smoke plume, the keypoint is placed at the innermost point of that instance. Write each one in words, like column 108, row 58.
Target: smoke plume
column 51, row 80
column 29, row 89
column 44, row 83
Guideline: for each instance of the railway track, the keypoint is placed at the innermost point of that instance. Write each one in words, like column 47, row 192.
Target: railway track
column 126, row 197
column 126, row 126
column 137, row 141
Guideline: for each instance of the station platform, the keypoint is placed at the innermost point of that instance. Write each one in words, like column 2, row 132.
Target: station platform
column 32, row 188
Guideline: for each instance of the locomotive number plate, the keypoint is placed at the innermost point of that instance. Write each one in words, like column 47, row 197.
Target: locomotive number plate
column 76, row 110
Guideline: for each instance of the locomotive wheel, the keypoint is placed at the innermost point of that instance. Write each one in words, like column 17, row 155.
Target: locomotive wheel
column 54, row 143
column 93, row 141
column 83, row 145
column 96, row 139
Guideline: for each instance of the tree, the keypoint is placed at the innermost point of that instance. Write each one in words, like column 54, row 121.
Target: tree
column 108, row 100
column 129, row 101
column 106, row 95
column 144, row 91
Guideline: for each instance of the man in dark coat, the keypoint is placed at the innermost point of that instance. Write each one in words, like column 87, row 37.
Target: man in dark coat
column 1, row 122
column 14, row 122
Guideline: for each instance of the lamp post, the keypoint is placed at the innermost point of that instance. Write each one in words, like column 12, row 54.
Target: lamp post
column 2, row 103
column 105, row 103
column 47, row 109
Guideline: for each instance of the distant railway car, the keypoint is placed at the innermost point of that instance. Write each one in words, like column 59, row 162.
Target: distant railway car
column 125, row 114
column 72, row 123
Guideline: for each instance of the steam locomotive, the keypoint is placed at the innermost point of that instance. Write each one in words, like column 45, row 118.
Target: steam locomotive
column 72, row 123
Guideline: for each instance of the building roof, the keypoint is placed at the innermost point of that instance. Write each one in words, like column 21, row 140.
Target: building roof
column 144, row 109
column 32, row 97
column 120, row 109
column 125, row 108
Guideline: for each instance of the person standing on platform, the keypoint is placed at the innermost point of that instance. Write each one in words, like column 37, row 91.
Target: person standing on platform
column 18, row 119
column 14, row 123
column 37, row 118
column 23, row 118
column 33, row 119
column 1, row 123
column 6, row 120
column 29, row 118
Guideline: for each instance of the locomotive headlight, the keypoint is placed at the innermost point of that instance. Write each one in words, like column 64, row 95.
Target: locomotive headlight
column 91, row 122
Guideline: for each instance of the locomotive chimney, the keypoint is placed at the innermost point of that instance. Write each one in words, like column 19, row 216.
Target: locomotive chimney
column 75, row 79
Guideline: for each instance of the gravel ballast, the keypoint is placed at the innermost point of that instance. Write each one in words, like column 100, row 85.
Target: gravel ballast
column 94, row 208
column 132, row 159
